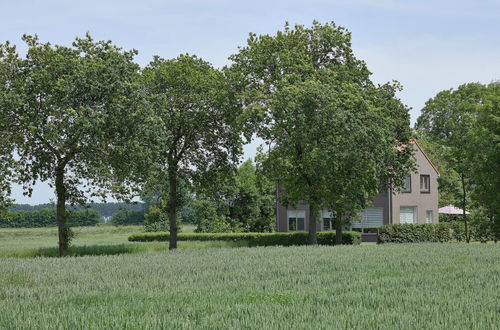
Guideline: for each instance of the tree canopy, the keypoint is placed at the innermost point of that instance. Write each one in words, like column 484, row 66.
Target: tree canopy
column 70, row 111
column 195, row 131
column 328, row 126
column 459, row 126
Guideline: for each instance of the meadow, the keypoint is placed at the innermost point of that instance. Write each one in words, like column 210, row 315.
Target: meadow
column 99, row 240
column 406, row 286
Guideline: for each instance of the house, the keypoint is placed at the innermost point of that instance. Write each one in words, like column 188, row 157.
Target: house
column 416, row 203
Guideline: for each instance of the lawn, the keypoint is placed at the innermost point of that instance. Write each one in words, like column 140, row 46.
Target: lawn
column 412, row 286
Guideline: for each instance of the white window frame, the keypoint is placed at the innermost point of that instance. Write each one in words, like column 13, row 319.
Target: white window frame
column 296, row 214
column 407, row 190
column 325, row 214
column 425, row 190
column 427, row 218
column 360, row 224
column 415, row 212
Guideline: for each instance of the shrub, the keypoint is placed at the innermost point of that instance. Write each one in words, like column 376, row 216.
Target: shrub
column 156, row 220
column 253, row 239
column 414, row 233
column 84, row 218
column 127, row 217
column 458, row 230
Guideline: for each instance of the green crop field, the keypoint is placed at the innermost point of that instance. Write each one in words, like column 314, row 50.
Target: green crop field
column 412, row 286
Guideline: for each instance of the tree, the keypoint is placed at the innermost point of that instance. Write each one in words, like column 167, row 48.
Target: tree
column 245, row 203
column 447, row 121
column 195, row 127
column 322, row 116
column 71, row 110
column 484, row 155
column 6, row 131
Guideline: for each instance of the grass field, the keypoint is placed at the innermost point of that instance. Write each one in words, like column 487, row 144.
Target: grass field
column 413, row 286
column 100, row 240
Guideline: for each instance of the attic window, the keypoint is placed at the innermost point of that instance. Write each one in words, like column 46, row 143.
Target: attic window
column 425, row 183
column 407, row 185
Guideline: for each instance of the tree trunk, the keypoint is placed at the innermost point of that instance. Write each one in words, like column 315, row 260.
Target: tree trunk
column 338, row 228
column 61, row 213
column 313, row 217
column 467, row 237
column 172, row 207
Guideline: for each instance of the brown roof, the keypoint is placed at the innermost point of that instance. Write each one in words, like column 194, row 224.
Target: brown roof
column 425, row 155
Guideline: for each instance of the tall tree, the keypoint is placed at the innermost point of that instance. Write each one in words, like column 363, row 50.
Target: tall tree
column 484, row 155
column 321, row 115
column 70, row 109
column 195, row 129
column 6, row 130
column 447, row 120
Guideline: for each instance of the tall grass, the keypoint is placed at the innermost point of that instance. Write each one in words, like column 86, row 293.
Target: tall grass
column 414, row 286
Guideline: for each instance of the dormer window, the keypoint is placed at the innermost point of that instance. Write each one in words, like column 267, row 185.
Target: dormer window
column 425, row 183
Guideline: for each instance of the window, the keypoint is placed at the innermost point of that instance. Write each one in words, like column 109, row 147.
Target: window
column 296, row 220
column 425, row 183
column 428, row 216
column 369, row 218
column 407, row 214
column 327, row 224
column 327, row 220
column 407, row 185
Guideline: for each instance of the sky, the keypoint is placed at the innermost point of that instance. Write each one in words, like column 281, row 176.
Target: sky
column 427, row 46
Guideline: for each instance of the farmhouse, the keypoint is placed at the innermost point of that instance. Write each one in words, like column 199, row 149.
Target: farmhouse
column 416, row 203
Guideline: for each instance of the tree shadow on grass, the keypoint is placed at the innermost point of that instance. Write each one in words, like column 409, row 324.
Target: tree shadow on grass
column 88, row 250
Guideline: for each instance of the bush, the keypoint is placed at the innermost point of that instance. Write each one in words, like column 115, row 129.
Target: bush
column 414, row 233
column 127, row 217
column 84, row 218
column 47, row 218
column 254, row 239
column 156, row 220
column 458, row 230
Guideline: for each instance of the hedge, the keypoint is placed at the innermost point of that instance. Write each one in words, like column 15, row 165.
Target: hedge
column 254, row 239
column 414, row 233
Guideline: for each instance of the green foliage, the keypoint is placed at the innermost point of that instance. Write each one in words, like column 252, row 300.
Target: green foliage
column 245, row 203
column 483, row 227
column 332, row 132
column 484, row 155
column 47, row 218
column 193, row 130
column 83, row 218
column 253, row 200
column 462, row 129
column 211, row 216
column 127, row 217
column 72, row 117
column 156, row 219
column 104, row 209
column 458, row 230
column 414, row 233
column 254, row 239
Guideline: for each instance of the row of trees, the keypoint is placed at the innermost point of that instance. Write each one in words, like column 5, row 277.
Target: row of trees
column 92, row 122
column 460, row 128
column 46, row 218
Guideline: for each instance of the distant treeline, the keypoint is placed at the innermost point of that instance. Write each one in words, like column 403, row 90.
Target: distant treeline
column 104, row 209
column 47, row 218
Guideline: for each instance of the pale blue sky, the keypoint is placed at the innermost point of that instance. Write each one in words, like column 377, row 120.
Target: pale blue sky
column 426, row 45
